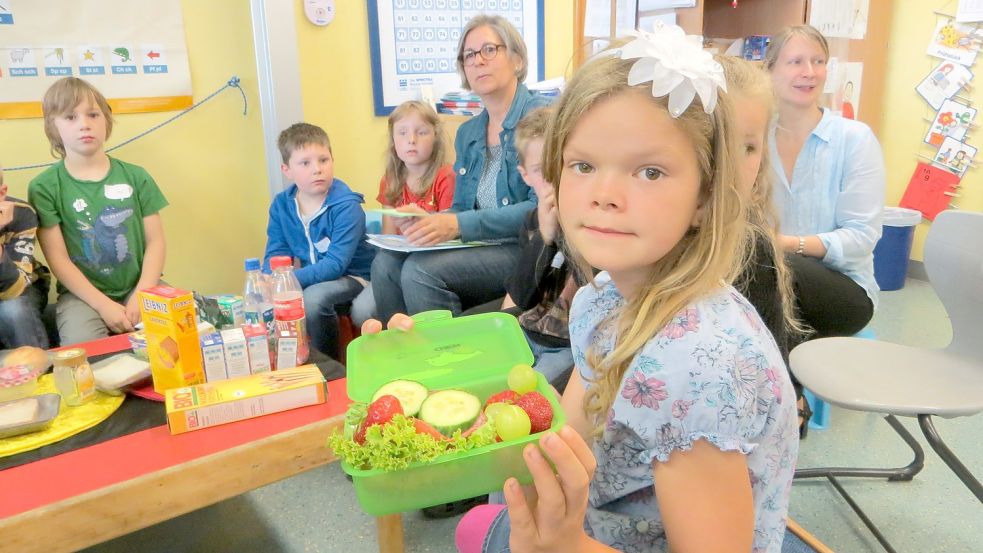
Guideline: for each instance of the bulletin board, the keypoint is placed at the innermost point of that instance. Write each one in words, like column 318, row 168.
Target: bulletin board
column 134, row 52
column 414, row 44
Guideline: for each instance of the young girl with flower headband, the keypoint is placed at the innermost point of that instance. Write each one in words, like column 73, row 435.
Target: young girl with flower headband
column 682, row 417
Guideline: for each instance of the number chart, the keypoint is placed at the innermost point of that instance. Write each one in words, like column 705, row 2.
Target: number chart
column 414, row 43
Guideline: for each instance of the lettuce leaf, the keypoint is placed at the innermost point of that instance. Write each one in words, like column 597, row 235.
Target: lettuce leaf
column 396, row 445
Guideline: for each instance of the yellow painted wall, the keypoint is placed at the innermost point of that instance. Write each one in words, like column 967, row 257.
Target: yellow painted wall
column 336, row 81
column 905, row 111
column 208, row 163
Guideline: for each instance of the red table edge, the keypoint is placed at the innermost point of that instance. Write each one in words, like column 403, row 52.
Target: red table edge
column 57, row 478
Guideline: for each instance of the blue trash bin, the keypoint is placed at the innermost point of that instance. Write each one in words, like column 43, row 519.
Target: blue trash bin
column 894, row 248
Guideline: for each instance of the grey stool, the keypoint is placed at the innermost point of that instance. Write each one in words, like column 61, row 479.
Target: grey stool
column 881, row 377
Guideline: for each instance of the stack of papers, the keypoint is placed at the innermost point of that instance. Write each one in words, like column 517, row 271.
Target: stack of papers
column 399, row 243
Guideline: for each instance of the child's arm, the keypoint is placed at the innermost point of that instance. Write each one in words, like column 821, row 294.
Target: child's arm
column 704, row 496
column 55, row 251
column 153, row 263
column 346, row 236
column 388, row 224
column 276, row 244
column 20, row 224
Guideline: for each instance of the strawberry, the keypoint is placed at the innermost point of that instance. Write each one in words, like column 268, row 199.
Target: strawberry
column 379, row 411
column 508, row 396
column 539, row 410
column 424, row 428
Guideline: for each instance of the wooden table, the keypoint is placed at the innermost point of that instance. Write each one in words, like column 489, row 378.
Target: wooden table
column 128, row 483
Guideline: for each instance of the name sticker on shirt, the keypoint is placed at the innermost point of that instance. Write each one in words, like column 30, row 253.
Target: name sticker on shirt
column 322, row 245
column 118, row 191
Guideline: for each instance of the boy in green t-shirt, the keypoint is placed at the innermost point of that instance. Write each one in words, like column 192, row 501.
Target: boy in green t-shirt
column 100, row 228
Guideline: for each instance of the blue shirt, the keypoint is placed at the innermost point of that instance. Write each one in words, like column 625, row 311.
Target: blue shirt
column 712, row 373
column 330, row 244
column 837, row 194
column 514, row 197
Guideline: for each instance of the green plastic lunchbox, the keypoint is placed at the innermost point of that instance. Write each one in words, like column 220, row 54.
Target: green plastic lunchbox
column 472, row 353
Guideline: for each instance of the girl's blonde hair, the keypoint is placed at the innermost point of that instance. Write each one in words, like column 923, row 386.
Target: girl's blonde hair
column 515, row 46
column 778, row 41
column 395, row 168
column 709, row 254
column 61, row 98
column 749, row 80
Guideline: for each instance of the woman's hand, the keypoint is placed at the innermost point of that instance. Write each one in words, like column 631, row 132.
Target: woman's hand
column 403, row 223
column 555, row 520
column 399, row 321
column 433, row 229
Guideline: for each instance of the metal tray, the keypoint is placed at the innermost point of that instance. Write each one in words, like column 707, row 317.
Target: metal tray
column 47, row 411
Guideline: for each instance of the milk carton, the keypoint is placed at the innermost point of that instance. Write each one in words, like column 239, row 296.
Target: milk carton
column 236, row 356
column 258, row 347
column 213, row 355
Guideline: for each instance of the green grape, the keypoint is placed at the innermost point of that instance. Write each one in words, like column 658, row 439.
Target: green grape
column 522, row 379
column 493, row 409
column 512, row 423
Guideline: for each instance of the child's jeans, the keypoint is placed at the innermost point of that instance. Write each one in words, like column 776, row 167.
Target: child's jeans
column 20, row 319
column 322, row 319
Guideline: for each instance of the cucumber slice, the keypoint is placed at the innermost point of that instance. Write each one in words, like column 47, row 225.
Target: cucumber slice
column 450, row 410
column 410, row 395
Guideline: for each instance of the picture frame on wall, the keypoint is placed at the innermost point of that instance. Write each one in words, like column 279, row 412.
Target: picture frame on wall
column 413, row 44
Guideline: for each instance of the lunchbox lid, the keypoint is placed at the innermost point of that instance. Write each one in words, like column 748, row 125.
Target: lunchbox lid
column 440, row 352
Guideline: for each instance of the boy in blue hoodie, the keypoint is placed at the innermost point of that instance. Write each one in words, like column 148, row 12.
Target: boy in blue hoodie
column 318, row 220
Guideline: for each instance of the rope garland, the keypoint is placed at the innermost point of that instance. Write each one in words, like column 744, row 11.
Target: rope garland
column 232, row 83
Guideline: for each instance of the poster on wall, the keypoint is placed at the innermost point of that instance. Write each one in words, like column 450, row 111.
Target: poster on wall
column 952, row 121
column 134, row 52
column 954, row 42
column 969, row 11
column 846, row 96
column 840, row 18
column 413, row 44
column 955, row 156
column 943, row 83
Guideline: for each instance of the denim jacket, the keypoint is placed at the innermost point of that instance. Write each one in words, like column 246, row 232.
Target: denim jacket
column 515, row 197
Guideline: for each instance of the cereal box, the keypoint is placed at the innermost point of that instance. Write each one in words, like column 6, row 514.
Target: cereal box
column 213, row 355
column 172, row 337
column 258, row 347
column 236, row 356
column 196, row 407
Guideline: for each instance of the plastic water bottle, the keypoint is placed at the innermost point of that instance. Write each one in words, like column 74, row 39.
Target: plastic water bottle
column 288, row 303
column 257, row 304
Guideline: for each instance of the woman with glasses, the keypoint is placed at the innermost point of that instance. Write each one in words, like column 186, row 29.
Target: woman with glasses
column 490, row 198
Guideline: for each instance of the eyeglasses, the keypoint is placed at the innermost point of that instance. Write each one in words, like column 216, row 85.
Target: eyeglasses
column 488, row 53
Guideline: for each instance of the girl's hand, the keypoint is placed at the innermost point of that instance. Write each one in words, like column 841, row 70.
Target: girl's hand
column 115, row 317
column 549, row 222
column 399, row 321
column 556, row 521
column 433, row 229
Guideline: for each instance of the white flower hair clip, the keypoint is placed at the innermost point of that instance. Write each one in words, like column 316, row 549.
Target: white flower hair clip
column 677, row 65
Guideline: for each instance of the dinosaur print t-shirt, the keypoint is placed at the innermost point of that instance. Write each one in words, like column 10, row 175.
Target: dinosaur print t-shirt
column 102, row 221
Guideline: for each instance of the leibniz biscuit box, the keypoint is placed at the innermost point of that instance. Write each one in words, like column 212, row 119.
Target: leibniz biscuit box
column 172, row 337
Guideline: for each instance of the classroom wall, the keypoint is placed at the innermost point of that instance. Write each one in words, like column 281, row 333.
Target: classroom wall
column 904, row 125
column 336, row 82
column 209, row 163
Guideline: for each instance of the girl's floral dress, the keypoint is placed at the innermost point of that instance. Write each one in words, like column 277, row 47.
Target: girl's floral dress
column 713, row 373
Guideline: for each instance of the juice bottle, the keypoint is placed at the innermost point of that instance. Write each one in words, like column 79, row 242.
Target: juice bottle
column 288, row 303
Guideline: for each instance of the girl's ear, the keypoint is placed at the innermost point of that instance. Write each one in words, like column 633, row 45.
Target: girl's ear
column 697, row 216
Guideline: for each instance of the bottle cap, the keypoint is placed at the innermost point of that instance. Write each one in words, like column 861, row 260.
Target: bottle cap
column 280, row 261
column 252, row 264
